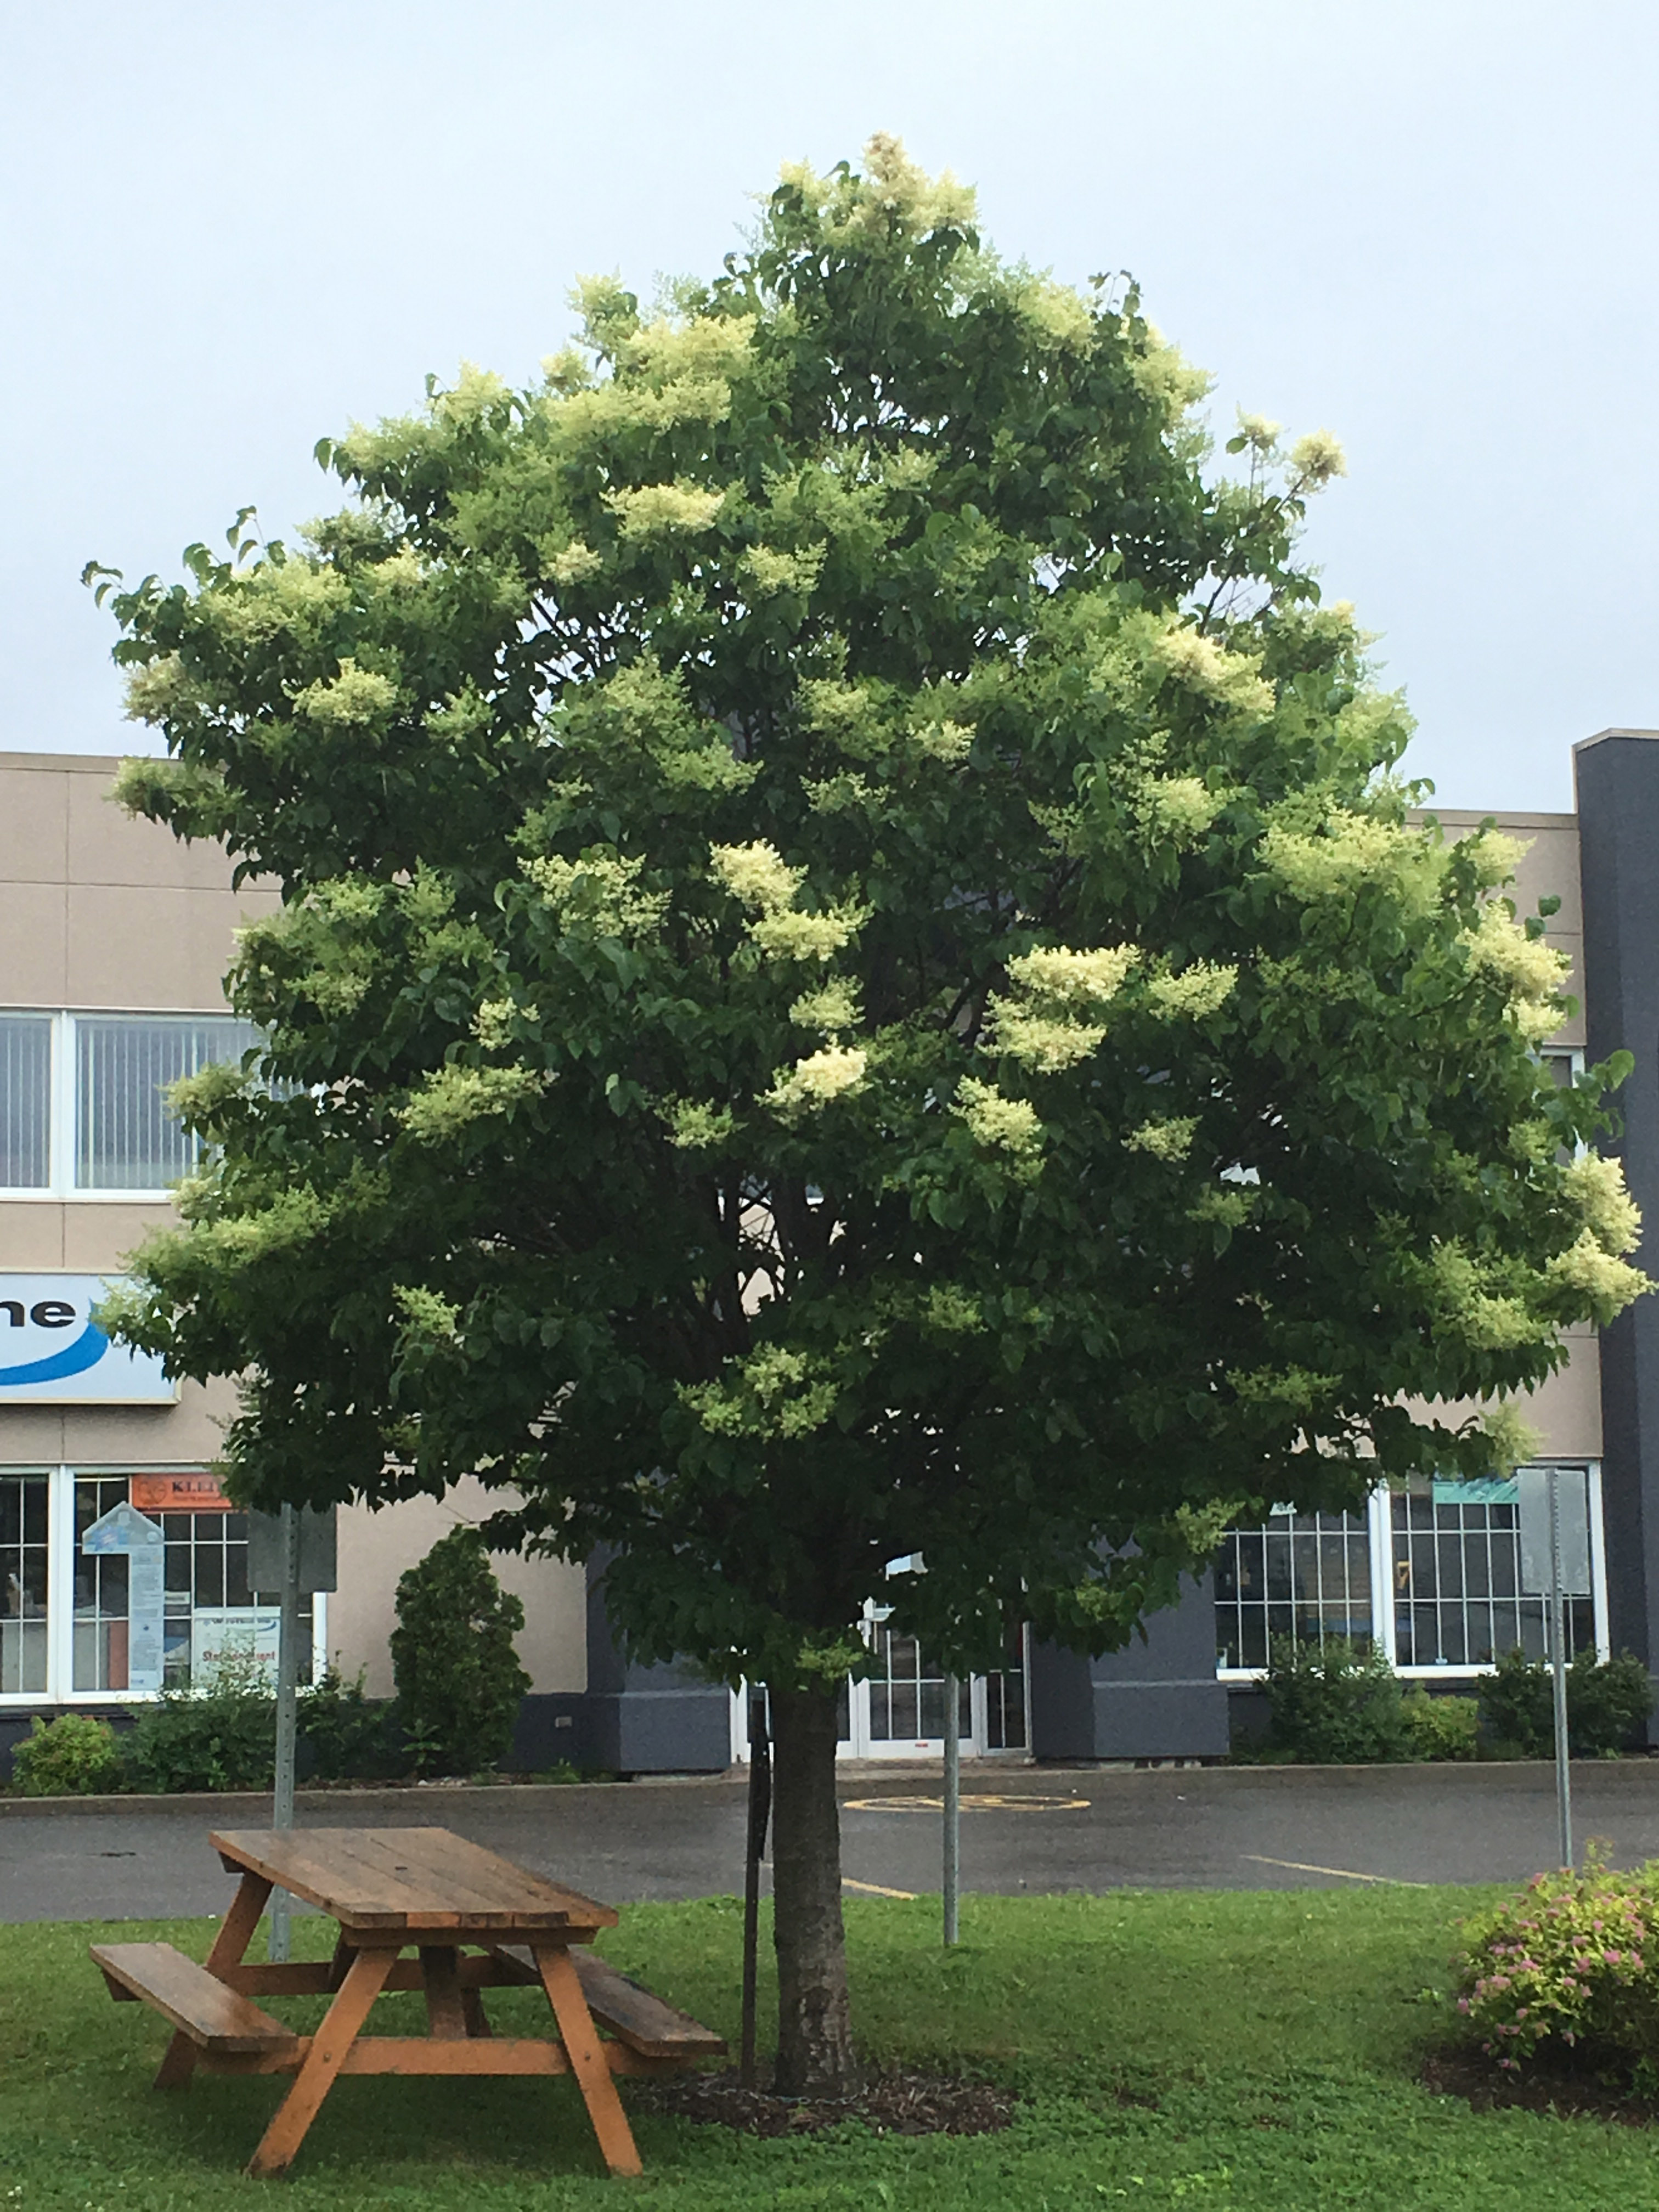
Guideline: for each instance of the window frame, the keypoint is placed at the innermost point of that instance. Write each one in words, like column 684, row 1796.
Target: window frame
column 1379, row 1511
column 63, row 1107
column 60, row 1692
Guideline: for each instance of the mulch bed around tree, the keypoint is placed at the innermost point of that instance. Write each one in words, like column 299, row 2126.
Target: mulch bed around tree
column 1570, row 2091
column 897, row 2103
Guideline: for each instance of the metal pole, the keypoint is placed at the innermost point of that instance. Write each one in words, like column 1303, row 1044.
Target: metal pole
column 1558, row 1667
column 288, row 1672
column 953, row 1807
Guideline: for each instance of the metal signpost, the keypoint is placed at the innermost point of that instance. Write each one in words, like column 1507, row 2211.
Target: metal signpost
column 953, row 1807
column 1555, row 1561
column 293, row 1550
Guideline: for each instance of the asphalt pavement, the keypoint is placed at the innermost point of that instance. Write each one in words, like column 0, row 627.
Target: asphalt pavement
column 1024, row 1829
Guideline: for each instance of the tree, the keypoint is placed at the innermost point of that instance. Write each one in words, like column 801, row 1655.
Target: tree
column 459, row 1679
column 853, row 980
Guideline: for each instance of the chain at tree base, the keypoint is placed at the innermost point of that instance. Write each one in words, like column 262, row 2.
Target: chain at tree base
column 816, row 2056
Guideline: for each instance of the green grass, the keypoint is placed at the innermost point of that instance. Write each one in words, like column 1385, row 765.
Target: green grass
column 1254, row 2051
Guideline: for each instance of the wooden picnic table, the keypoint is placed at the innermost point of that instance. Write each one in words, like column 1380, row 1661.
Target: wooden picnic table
column 391, row 1890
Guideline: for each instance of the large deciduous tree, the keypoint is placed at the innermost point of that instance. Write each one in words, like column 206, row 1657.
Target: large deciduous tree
column 853, row 980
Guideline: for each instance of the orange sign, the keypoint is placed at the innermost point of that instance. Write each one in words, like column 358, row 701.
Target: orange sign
column 179, row 1494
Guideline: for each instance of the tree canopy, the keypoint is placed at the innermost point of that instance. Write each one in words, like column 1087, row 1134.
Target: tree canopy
column 855, row 975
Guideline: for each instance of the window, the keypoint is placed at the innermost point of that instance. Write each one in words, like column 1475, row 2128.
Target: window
column 83, row 1097
column 206, row 1605
column 25, row 1101
column 1433, row 1574
column 23, row 1556
column 1307, row 1574
column 1460, row 1586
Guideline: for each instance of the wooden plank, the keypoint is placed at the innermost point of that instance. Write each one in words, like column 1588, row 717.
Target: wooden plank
column 199, row 2005
column 438, row 2054
column 423, row 1880
column 419, row 2054
column 327, row 2053
column 640, row 2017
column 587, row 2058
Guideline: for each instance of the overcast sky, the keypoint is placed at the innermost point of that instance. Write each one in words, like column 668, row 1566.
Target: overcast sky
column 230, row 228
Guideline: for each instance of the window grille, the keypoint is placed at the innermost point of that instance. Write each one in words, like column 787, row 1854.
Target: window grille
column 25, row 1101
column 1306, row 1575
column 1458, row 1600
column 126, row 1135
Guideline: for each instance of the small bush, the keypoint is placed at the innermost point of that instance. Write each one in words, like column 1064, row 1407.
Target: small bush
column 1607, row 1704
column 1334, row 1705
column 460, row 1683
column 1573, row 1961
column 1442, row 1727
column 346, row 1736
column 221, row 1736
column 73, row 1756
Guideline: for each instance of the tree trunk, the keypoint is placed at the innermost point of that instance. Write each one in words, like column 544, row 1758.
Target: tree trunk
column 815, row 2026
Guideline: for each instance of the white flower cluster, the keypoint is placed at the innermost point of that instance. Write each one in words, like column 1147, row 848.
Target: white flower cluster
column 1529, row 970
column 353, row 698
column 1170, row 1138
column 1011, row 1124
column 1045, row 1026
column 1228, row 679
column 836, row 1071
column 663, row 510
column 453, row 1097
column 601, row 888
column 759, row 877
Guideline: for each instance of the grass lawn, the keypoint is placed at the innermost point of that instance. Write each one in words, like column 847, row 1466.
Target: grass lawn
column 1255, row 2050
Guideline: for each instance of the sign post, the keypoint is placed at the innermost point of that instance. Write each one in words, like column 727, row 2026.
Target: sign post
column 124, row 1529
column 1555, row 1562
column 294, row 1552
column 953, row 1807
column 288, row 1675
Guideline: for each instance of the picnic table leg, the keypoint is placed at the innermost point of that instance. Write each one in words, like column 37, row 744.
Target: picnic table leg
column 587, row 2059
column 445, row 2012
column 229, row 1948
column 365, row 1979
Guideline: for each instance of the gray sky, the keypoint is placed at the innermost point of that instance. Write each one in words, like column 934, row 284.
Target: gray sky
column 229, row 229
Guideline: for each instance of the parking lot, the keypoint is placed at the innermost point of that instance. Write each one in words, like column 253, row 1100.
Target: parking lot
column 1035, row 1829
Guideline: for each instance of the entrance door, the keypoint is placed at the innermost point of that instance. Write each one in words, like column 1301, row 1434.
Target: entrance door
column 898, row 1710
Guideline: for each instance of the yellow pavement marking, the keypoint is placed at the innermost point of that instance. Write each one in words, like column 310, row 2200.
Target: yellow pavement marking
column 875, row 1889
column 1342, row 1874
column 1030, row 1802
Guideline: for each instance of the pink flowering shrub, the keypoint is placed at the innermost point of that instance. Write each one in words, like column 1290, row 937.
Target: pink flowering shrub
column 1574, row 1959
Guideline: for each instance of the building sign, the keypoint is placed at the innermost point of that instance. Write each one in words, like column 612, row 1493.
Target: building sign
column 246, row 1638
column 53, row 1354
column 178, row 1493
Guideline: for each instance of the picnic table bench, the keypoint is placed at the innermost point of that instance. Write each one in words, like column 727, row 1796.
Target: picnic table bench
column 474, row 1921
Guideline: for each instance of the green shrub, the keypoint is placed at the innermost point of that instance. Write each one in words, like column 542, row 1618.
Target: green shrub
column 1573, row 1959
column 1607, row 1704
column 73, row 1756
column 219, row 1736
column 1442, row 1727
column 1334, row 1705
column 345, row 1736
column 460, row 1683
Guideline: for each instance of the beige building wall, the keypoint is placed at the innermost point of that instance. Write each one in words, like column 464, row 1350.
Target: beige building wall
column 100, row 913
column 1566, row 1410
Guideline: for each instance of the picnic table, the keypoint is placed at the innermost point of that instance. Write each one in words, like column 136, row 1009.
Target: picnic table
column 474, row 1921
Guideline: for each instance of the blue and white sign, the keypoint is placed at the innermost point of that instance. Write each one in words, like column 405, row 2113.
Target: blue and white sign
column 53, row 1354
column 124, row 1529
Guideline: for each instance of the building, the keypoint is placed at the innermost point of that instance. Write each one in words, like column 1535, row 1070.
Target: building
column 114, row 940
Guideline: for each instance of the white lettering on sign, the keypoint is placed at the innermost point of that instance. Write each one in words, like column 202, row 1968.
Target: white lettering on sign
column 53, row 1352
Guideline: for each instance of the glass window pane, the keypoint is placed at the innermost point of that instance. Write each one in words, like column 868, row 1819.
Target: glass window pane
column 22, row 1584
column 126, row 1139
column 25, row 1101
column 1307, row 1574
column 100, row 1592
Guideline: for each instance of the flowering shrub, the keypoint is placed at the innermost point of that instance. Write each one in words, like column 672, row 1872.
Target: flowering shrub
column 1574, row 1958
